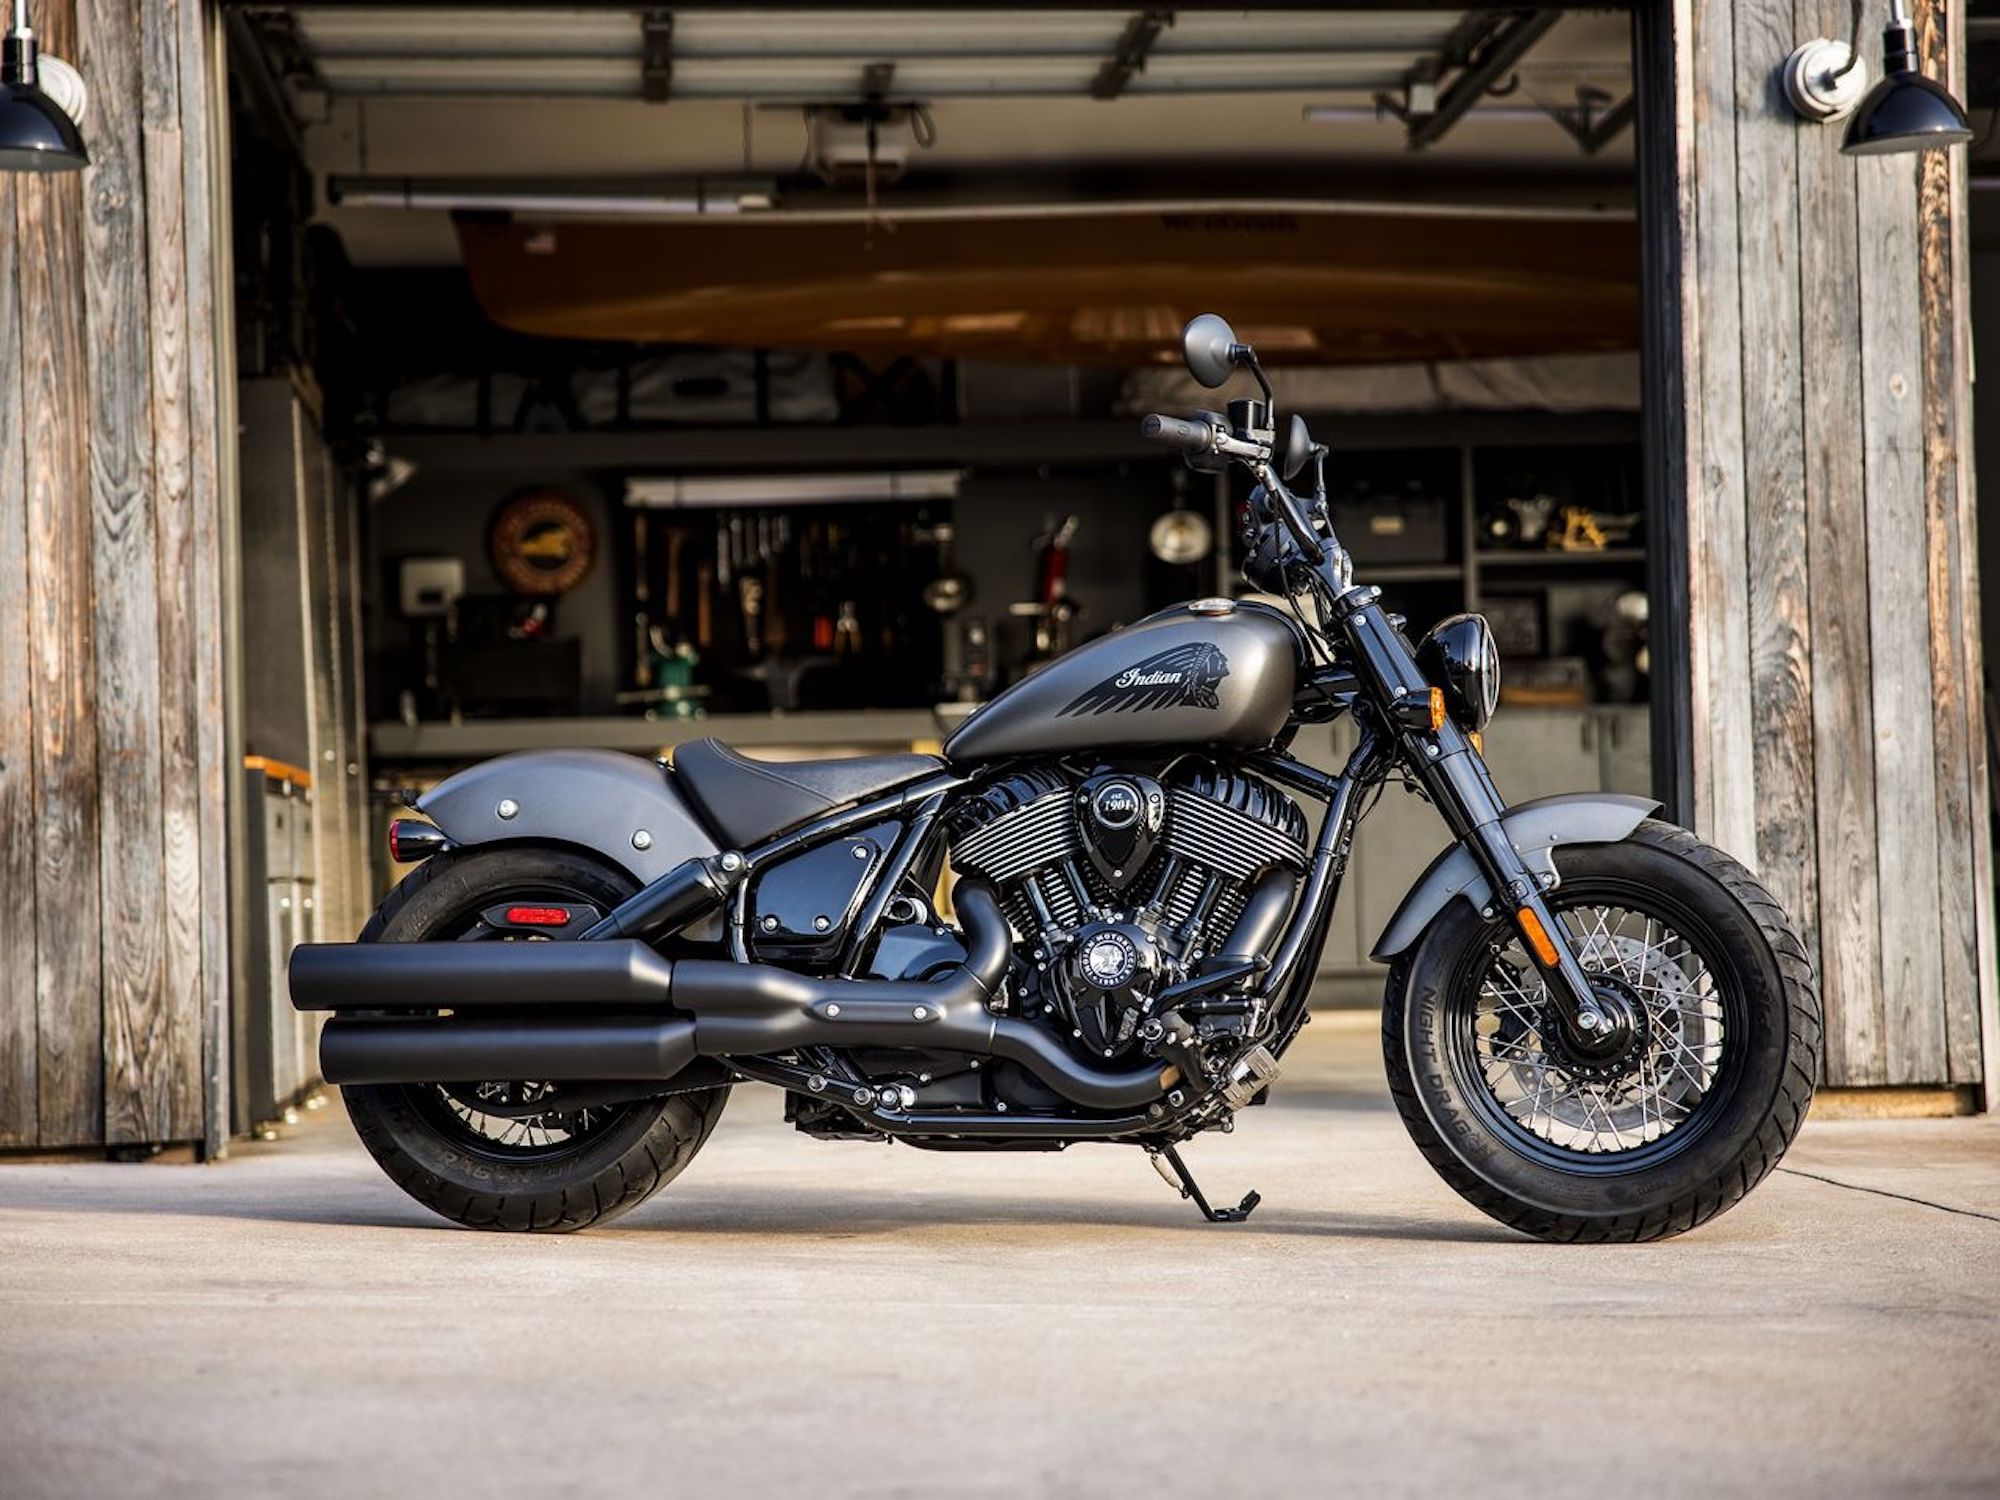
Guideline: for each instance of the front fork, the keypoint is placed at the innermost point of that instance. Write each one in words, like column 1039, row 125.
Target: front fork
column 1454, row 774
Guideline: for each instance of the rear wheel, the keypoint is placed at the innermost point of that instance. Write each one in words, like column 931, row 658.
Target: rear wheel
column 1652, row 1128
column 518, row 1153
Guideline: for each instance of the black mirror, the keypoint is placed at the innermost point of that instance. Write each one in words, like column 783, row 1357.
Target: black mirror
column 1209, row 346
column 1298, row 448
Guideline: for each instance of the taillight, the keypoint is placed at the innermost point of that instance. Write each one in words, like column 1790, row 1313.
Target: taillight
column 410, row 841
column 538, row 916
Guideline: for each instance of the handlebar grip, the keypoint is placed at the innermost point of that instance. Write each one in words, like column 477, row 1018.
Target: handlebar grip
column 1189, row 437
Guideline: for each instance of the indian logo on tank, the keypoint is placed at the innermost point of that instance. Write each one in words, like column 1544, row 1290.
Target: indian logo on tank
column 1184, row 677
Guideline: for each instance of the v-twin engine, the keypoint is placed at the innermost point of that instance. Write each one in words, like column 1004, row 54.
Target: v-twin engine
column 1122, row 882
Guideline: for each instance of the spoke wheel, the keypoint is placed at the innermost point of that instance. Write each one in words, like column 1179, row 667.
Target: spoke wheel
column 1641, row 1098
column 512, row 1153
column 1634, row 1132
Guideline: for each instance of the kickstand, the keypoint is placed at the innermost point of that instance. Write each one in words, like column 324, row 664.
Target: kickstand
column 1167, row 1162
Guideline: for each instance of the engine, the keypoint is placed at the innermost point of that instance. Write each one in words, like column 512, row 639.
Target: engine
column 1121, row 883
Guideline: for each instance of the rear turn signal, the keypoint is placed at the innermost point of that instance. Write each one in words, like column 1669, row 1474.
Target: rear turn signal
column 410, row 841
column 1537, row 936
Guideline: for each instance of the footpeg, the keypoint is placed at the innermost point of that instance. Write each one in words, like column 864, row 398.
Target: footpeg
column 1250, row 1077
column 1173, row 1171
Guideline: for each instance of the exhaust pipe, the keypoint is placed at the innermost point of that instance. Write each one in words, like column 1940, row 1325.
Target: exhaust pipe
column 722, row 1010
column 609, row 1050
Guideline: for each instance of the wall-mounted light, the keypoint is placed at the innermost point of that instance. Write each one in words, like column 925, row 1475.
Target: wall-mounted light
column 41, row 101
column 1906, row 111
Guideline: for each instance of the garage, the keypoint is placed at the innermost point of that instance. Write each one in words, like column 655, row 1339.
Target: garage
column 618, row 378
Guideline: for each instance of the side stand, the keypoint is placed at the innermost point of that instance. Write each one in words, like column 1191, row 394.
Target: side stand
column 1167, row 1162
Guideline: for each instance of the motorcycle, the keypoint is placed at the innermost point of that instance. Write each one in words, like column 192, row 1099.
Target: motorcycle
column 1095, row 917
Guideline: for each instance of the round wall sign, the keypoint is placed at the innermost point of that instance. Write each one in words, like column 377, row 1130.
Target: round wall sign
column 542, row 543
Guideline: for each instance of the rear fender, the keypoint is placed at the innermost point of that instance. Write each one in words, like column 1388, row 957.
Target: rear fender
column 1535, row 829
column 620, row 807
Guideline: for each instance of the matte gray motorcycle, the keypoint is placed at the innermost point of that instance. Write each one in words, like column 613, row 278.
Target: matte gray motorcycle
column 1597, row 1027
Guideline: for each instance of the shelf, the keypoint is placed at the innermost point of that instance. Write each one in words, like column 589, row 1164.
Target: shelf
column 1608, row 557
column 1408, row 572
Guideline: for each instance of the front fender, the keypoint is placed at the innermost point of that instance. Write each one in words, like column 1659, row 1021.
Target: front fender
column 598, row 800
column 1534, row 829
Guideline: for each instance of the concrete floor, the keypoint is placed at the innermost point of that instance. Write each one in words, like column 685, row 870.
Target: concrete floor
column 801, row 1318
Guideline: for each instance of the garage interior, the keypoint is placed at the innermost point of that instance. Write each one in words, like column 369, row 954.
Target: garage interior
column 621, row 377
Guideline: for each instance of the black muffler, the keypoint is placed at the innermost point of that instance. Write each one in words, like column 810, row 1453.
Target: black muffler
column 701, row 1008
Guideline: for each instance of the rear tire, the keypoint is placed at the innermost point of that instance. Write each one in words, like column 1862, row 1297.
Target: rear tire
column 593, row 1164
column 1742, row 1054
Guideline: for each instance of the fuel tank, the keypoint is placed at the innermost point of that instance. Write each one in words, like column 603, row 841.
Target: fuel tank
column 1214, row 672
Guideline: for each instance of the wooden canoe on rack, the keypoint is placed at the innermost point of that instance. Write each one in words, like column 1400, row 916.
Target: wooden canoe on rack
column 1087, row 285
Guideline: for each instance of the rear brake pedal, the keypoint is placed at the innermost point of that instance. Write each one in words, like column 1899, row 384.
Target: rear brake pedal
column 1167, row 1162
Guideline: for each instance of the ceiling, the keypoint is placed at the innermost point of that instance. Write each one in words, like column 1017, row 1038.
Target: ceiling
column 1023, row 105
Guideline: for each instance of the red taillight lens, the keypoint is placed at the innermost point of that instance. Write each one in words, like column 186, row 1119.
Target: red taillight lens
column 538, row 916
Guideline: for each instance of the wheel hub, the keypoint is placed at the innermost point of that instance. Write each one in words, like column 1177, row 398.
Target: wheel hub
column 1614, row 1048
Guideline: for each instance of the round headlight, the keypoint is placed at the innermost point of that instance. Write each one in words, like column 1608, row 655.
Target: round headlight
column 1460, row 657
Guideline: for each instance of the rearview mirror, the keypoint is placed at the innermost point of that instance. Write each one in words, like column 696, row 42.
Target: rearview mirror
column 1209, row 346
column 1298, row 448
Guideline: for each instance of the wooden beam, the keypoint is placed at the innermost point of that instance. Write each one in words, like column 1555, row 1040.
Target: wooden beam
column 55, row 439
column 17, row 717
column 1780, row 765
column 1963, row 826
column 138, row 1031
column 210, row 361
column 175, row 521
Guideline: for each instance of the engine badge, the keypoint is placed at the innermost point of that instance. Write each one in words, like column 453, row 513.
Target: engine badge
column 1120, row 818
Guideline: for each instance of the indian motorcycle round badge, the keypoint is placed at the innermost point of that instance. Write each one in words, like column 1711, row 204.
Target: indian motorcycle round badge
column 542, row 543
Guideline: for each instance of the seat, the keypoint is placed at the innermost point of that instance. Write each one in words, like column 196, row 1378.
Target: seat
column 746, row 801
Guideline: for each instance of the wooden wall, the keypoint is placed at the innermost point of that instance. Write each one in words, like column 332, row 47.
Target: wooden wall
column 114, row 955
column 1833, row 651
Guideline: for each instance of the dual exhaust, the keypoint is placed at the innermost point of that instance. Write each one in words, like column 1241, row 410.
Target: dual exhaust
column 616, row 1011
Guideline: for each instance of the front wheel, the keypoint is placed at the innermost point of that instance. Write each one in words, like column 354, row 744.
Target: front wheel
column 1635, row 1137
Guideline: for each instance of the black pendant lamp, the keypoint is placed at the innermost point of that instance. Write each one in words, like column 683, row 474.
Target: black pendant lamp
column 37, row 133
column 1905, row 111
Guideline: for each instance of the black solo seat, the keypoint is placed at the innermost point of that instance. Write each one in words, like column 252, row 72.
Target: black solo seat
column 746, row 801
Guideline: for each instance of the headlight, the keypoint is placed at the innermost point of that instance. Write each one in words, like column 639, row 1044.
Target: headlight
column 1460, row 657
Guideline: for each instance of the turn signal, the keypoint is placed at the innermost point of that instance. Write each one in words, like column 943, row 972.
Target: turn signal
column 410, row 841
column 1537, row 936
column 1437, row 709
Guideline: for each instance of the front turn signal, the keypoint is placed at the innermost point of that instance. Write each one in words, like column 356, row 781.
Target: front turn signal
column 1437, row 709
column 1537, row 936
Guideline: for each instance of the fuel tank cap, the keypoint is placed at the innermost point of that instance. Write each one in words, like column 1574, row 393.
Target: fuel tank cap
column 1212, row 607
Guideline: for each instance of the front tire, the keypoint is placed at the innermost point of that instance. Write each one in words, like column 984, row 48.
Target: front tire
column 1660, row 1136
column 554, row 1172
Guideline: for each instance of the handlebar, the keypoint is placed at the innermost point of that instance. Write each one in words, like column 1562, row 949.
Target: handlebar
column 1208, row 434
column 1175, row 432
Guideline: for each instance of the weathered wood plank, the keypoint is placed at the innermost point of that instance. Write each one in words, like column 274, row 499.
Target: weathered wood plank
column 1718, row 568
column 1777, row 598
column 1899, row 620
column 180, row 997
column 138, row 1055
column 1842, row 789
column 211, row 503
column 17, row 750
column 1951, row 66
column 1955, row 689
column 56, row 440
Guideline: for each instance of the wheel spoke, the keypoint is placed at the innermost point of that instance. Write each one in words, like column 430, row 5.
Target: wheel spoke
column 1597, row 1106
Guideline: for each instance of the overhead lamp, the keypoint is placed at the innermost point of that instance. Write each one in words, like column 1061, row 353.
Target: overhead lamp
column 41, row 100
column 1826, row 80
